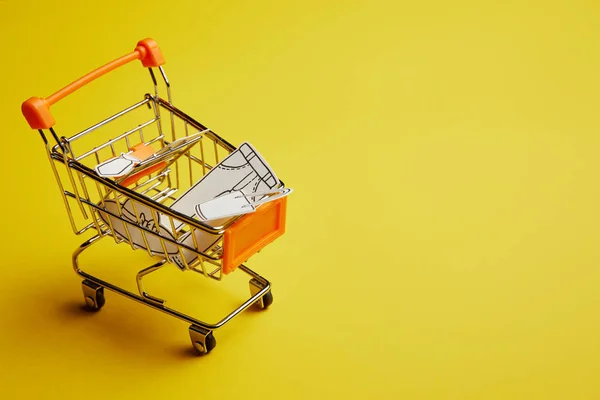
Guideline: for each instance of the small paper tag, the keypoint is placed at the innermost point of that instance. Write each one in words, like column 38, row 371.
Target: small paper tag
column 228, row 205
column 118, row 166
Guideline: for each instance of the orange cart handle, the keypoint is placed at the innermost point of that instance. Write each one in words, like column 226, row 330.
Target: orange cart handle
column 36, row 110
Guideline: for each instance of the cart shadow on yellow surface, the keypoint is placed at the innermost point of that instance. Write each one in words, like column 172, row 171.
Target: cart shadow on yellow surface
column 53, row 308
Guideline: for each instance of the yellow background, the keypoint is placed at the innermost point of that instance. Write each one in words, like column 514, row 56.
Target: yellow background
column 442, row 237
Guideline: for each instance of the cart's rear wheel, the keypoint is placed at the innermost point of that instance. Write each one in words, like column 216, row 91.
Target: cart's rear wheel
column 267, row 299
column 203, row 340
column 100, row 299
column 93, row 295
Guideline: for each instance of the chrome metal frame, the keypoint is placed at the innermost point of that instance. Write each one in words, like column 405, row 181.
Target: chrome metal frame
column 159, row 305
column 79, row 183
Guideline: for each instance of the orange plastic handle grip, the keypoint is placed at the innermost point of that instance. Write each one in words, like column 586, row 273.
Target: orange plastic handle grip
column 36, row 110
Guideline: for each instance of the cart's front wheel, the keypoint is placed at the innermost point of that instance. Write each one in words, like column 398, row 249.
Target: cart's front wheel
column 203, row 340
column 93, row 295
column 267, row 299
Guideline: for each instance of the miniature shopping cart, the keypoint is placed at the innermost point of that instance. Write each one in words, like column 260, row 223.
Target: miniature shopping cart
column 176, row 151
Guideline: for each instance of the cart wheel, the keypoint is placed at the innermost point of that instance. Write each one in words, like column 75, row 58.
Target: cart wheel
column 267, row 300
column 203, row 340
column 93, row 295
column 100, row 299
column 211, row 342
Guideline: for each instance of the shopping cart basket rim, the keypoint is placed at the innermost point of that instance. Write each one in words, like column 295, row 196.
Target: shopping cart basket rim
column 58, row 154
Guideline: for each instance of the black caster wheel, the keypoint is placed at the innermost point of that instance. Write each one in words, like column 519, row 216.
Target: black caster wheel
column 203, row 340
column 267, row 300
column 93, row 295
column 100, row 299
column 211, row 342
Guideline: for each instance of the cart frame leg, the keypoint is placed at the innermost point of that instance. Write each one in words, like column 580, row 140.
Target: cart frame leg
column 140, row 285
column 254, row 298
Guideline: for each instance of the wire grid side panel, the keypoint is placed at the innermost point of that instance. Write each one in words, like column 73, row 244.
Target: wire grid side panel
column 118, row 134
column 72, row 189
column 142, row 226
column 194, row 164
column 112, row 212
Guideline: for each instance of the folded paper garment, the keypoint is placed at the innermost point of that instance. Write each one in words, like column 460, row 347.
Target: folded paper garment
column 237, row 185
column 142, row 160
column 117, row 166
column 236, row 203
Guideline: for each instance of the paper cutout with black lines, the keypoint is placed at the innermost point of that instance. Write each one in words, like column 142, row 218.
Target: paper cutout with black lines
column 243, row 170
column 236, row 203
column 117, row 166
